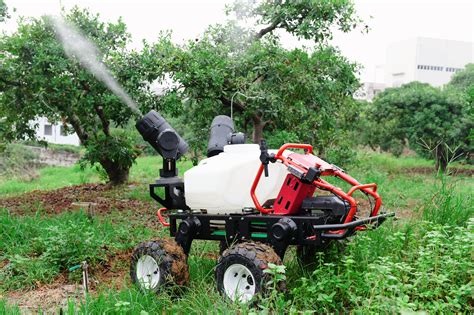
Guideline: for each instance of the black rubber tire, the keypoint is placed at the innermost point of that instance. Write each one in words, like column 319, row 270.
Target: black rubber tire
column 222, row 246
column 171, row 260
column 254, row 256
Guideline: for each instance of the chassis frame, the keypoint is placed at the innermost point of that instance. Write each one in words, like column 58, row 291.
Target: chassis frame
column 275, row 230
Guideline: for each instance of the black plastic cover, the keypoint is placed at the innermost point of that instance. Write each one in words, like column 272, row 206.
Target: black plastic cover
column 333, row 204
column 162, row 137
column 221, row 127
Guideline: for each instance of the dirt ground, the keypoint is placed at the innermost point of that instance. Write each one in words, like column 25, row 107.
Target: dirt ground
column 53, row 297
column 111, row 274
column 453, row 171
column 63, row 199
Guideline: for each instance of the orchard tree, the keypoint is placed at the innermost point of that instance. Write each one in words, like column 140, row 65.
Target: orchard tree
column 37, row 79
column 462, row 83
column 463, row 80
column 3, row 11
column 245, row 71
column 428, row 119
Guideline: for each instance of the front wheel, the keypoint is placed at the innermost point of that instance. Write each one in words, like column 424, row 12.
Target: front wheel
column 156, row 264
column 240, row 272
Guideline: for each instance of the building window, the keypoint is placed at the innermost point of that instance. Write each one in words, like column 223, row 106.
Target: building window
column 48, row 130
column 62, row 131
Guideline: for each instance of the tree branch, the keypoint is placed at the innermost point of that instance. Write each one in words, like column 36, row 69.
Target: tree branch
column 267, row 29
column 76, row 124
column 105, row 122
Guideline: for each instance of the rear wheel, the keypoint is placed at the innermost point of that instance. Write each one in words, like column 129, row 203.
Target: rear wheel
column 239, row 272
column 156, row 264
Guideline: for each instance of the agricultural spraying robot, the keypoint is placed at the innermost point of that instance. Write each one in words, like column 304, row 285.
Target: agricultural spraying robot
column 255, row 218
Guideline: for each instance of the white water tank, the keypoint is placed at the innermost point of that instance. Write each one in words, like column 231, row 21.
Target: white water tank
column 221, row 184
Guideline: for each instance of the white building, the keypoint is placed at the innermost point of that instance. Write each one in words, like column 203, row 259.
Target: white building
column 427, row 60
column 368, row 90
column 54, row 133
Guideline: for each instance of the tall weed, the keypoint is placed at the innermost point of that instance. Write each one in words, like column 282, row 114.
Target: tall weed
column 448, row 205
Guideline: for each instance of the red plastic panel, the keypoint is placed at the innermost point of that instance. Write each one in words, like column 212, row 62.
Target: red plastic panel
column 309, row 160
column 291, row 195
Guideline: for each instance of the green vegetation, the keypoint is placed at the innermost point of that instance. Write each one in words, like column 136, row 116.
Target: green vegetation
column 59, row 148
column 17, row 160
column 434, row 122
column 38, row 248
column 39, row 80
column 419, row 263
column 48, row 178
column 228, row 65
column 245, row 69
column 3, row 11
column 398, row 268
column 144, row 171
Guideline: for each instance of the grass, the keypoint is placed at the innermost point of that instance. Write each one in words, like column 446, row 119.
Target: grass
column 144, row 171
column 420, row 263
column 49, row 178
column 412, row 267
column 38, row 247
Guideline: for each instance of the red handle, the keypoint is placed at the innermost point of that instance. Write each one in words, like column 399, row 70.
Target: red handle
column 354, row 188
column 282, row 149
column 160, row 216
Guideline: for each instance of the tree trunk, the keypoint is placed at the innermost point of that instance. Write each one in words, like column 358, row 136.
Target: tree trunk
column 118, row 174
column 441, row 160
column 258, row 125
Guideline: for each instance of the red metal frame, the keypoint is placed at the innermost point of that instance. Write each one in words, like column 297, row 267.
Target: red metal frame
column 303, row 162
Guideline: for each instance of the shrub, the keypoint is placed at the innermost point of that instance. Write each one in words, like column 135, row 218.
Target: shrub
column 17, row 160
column 426, row 267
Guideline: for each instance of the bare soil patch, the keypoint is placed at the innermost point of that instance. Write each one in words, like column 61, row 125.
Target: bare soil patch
column 62, row 199
column 50, row 298
column 453, row 171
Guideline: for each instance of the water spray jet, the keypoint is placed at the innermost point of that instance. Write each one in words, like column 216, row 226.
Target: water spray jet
column 78, row 47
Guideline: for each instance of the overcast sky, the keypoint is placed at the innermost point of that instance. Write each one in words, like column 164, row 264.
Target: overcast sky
column 389, row 20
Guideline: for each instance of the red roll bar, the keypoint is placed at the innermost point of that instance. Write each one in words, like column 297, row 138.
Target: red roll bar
column 329, row 170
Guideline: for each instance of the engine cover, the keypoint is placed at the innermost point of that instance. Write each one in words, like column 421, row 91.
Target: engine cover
column 332, row 204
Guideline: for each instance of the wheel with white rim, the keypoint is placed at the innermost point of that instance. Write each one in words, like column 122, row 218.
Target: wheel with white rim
column 158, row 263
column 148, row 272
column 239, row 272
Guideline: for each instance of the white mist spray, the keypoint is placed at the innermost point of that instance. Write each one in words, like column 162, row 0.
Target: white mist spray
column 77, row 46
